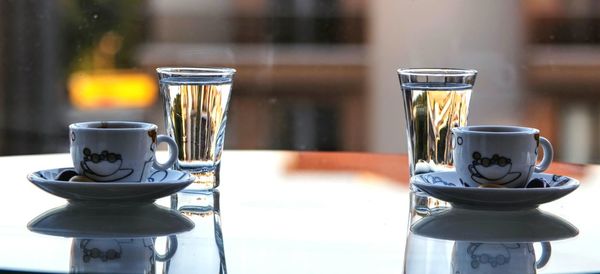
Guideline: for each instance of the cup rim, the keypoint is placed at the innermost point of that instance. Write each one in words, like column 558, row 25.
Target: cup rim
column 496, row 130
column 440, row 72
column 197, row 71
column 121, row 126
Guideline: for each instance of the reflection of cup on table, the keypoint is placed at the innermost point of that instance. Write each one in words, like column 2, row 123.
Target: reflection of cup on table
column 498, row 155
column 114, row 237
column 195, row 104
column 484, row 241
column 102, row 255
column 501, row 258
column 112, row 151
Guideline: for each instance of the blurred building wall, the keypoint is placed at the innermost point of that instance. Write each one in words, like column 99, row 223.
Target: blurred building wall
column 31, row 87
column 485, row 35
column 191, row 21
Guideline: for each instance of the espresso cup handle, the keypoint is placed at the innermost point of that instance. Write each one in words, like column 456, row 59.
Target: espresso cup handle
column 172, row 153
column 545, row 257
column 548, row 154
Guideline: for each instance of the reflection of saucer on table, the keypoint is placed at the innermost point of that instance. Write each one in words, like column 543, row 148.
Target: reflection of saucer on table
column 458, row 224
column 100, row 220
column 495, row 241
column 113, row 238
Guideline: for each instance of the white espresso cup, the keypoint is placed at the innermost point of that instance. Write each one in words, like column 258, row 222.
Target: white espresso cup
column 117, row 151
column 498, row 156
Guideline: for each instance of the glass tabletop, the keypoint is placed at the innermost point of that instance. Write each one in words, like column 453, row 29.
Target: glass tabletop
column 292, row 212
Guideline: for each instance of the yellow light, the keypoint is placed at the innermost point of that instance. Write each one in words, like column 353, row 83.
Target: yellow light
column 112, row 89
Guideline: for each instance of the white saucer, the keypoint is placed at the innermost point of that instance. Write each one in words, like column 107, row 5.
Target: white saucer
column 160, row 184
column 520, row 226
column 447, row 186
column 93, row 220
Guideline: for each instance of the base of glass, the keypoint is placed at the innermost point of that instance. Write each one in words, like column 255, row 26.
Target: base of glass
column 196, row 202
column 206, row 179
column 422, row 204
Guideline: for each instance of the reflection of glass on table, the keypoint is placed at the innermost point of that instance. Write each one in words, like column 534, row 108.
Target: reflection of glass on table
column 200, row 250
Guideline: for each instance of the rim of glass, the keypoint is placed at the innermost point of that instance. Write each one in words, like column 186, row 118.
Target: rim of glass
column 191, row 71
column 437, row 71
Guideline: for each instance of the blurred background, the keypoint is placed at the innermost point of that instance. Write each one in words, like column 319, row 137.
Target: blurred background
column 312, row 74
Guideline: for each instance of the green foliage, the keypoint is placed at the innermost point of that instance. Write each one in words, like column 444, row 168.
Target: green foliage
column 86, row 22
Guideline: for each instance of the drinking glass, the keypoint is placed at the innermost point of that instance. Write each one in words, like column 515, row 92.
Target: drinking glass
column 196, row 101
column 435, row 101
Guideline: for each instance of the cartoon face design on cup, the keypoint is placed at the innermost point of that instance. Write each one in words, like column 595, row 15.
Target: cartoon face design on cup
column 498, row 156
column 475, row 257
column 492, row 169
column 117, row 151
column 105, row 164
